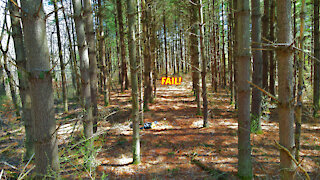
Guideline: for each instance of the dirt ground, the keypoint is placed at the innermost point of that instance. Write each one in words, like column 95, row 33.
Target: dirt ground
column 168, row 148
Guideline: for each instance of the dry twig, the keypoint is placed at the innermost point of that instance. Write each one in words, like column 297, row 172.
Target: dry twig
column 280, row 147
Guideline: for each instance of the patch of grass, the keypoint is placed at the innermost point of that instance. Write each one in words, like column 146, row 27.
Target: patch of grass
column 104, row 176
column 171, row 153
column 173, row 171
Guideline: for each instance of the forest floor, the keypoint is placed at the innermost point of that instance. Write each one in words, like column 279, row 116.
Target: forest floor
column 174, row 149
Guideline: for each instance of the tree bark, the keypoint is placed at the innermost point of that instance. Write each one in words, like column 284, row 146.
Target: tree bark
column 146, row 53
column 85, row 70
column 102, row 51
column 265, row 35
column 204, row 66
column 213, row 43
column 165, row 42
column 194, row 51
column 243, row 70
column 230, row 50
column 90, row 37
column 316, row 44
column 40, row 78
column 272, row 62
column 300, row 81
column 124, row 75
column 257, row 63
column 139, row 63
column 286, row 111
column 131, row 14
column 223, row 58
column 24, row 88
column 295, row 53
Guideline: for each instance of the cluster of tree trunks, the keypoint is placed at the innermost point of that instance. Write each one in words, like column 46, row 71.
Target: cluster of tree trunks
column 152, row 51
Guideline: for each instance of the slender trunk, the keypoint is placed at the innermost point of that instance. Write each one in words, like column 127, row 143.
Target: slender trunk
column 153, row 58
column 257, row 64
column 165, row 42
column 243, row 70
column 224, row 76
column 230, row 50
column 214, row 42
column 286, row 111
column 77, row 71
column 24, row 88
column 131, row 14
column 272, row 38
column 300, row 81
column 235, row 47
column 90, row 37
column 118, row 51
column 139, row 63
column 62, row 66
column 194, row 51
column 265, row 35
column 124, row 75
column 181, row 46
column 295, row 53
column 85, row 70
column 102, row 51
column 218, row 68
column 204, row 66
column 37, row 53
column 316, row 43
column 146, row 53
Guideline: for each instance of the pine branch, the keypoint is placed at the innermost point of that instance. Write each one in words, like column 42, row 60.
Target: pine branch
column 264, row 91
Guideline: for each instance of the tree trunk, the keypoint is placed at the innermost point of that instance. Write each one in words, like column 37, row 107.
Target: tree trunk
column 37, row 53
column 102, row 51
column 272, row 38
column 153, row 57
column 24, row 88
column 146, row 53
column 300, row 81
column 131, row 14
column 235, row 47
column 286, row 111
column 214, row 63
column 165, row 42
column 316, row 40
column 295, row 53
column 194, row 51
column 204, row 66
column 181, row 45
column 265, row 35
column 62, row 66
column 223, row 58
column 230, row 50
column 124, row 75
column 118, row 51
column 85, row 70
column 257, row 64
column 243, row 70
column 139, row 63
column 90, row 37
